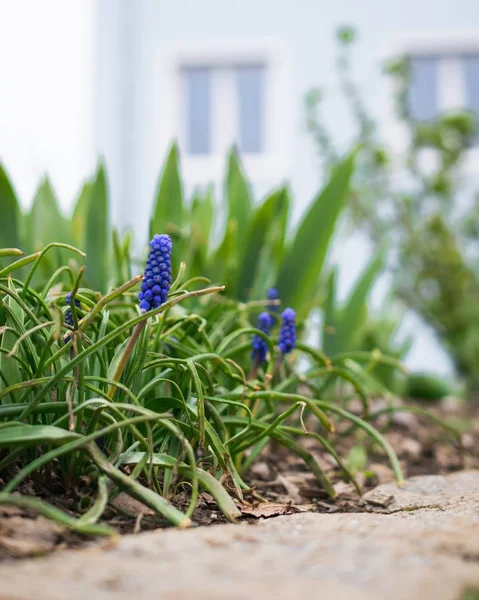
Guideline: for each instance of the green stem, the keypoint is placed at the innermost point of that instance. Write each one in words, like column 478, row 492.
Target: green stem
column 136, row 490
column 124, row 359
column 53, row 513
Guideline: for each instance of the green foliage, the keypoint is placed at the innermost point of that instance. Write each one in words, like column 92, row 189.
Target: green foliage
column 258, row 250
column 265, row 235
column 424, row 386
column 97, row 231
column 428, row 223
column 343, row 326
column 305, row 257
column 142, row 403
column 238, row 197
column 168, row 211
column 380, row 335
column 9, row 226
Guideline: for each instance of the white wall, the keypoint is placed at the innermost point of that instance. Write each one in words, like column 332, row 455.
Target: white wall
column 46, row 93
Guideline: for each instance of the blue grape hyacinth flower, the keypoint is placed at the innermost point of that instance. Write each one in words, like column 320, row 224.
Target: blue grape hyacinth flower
column 260, row 347
column 68, row 313
column 287, row 335
column 157, row 276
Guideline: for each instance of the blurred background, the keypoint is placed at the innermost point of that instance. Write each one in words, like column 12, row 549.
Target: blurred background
column 294, row 85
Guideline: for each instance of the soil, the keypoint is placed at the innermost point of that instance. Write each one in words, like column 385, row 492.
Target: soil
column 279, row 478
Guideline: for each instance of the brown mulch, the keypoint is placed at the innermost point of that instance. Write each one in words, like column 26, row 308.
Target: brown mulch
column 281, row 483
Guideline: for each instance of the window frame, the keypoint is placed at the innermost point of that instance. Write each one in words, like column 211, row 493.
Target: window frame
column 451, row 44
column 275, row 162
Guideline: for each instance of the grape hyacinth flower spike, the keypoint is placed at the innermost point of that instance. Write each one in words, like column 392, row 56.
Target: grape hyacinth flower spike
column 153, row 294
column 157, row 276
column 287, row 335
column 68, row 313
column 260, row 347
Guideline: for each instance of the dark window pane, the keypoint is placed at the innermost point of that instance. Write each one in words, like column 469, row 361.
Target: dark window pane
column 471, row 72
column 423, row 104
column 198, row 109
column 471, row 76
column 250, row 86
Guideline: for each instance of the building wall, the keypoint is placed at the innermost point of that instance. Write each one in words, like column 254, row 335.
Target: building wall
column 46, row 94
column 307, row 28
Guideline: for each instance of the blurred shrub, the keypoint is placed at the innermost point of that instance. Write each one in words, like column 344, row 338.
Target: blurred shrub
column 420, row 212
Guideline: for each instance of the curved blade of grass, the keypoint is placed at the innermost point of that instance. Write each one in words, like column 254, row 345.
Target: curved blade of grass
column 373, row 356
column 137, row 491
column 270, row 428
column 27, row 334
column 103, row 342
column 284, row 397
column 34, row 435
column 244, row 331
column 133, row 488
column 294, row 446
column 18, row 264
column 372, row 432
column 330, row 449
column 34, row 267
column 11, row 252
column 96, row 511
column 54, row 514
column 207, row 481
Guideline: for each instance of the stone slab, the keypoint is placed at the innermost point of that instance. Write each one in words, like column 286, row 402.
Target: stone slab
column 425, row 550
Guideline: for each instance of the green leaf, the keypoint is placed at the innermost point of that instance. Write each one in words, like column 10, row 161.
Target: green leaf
column 202, row 216
column 240, row 204
column 263, row 223
column 113, row 366
column 272, row 252
column 330, row 315
column 354, row 312
column 9, row 223
column 11, row 252
column 47, row 222
column 34, row 435
column 14, row 329
column 344, row 325
column 97, row 232
column 80, row 213
column 168, row 210
column 305, row 258
column 223, row 264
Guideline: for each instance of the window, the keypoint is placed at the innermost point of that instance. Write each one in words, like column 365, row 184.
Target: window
column 198, row 109
column 471, row 74
column 442, row 82
column 423, row 104
column 250, row 84
column 211, row 94
column 223, row 104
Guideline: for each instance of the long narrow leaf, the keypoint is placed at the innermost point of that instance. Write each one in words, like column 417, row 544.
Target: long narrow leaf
column 304, row 260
